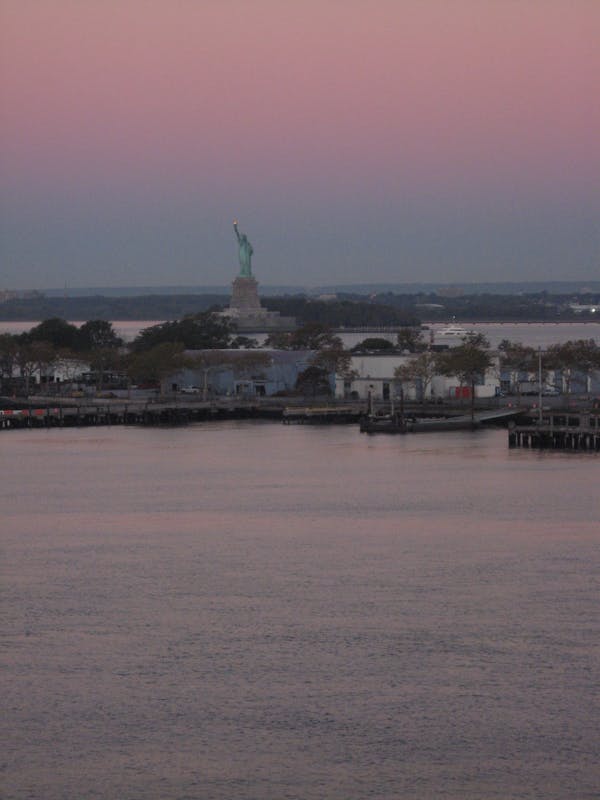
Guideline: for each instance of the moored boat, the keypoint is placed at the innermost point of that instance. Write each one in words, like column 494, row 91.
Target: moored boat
column 454, row 330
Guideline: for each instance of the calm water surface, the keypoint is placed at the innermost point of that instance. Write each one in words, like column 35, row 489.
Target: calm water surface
column 251, row 611
column 533, row 334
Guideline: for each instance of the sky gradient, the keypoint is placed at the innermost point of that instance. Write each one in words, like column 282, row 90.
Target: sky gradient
column 355, row 140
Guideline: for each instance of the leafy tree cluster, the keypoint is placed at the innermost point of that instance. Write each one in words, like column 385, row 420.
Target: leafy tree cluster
column 582, row 356
column 579, row 356
column 407, row 339
column 374, row 344
column 159, row 350
column 311, row 336
column 202, row 331
column 55, row 341
column 468, row 362
column 419, row 371
column 61, row 334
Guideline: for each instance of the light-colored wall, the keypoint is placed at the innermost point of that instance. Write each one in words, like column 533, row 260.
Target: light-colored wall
column 373, row 371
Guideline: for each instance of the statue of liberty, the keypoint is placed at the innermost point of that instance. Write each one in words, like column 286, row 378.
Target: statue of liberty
column 245, row 252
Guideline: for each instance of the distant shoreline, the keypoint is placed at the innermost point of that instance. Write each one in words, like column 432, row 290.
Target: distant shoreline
column 269, row 290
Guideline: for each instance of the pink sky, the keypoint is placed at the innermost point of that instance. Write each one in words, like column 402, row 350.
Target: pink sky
column 241, row 105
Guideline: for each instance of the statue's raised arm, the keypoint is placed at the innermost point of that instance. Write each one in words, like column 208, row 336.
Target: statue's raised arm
column 244, row 252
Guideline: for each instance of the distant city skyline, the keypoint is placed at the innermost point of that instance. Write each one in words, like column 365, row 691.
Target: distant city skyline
column 392, row 141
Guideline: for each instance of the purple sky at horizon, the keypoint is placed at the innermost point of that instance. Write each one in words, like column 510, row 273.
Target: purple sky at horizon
column 382, row 141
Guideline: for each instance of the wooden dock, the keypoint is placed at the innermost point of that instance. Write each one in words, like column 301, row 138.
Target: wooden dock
column 558, row 430
column 46, row 414
column 325, row 415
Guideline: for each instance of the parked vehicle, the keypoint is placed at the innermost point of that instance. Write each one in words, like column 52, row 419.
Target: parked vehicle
column 533, row 389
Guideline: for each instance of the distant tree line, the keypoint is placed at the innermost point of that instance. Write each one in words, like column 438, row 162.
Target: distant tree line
column 535, row 307
column 144, row 307
column 349, row 312
column 345, row 313
column 346, row 310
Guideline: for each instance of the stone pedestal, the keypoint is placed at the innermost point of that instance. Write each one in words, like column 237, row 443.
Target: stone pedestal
column 244, row 295
column 247, row 313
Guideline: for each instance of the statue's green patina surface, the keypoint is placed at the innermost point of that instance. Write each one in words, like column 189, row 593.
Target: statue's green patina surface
column 245, row 252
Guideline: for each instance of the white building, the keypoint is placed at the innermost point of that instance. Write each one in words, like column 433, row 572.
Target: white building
column 374, row 374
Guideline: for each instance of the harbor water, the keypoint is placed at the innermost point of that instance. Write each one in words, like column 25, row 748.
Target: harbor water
column 252, row 611
column 534, row 334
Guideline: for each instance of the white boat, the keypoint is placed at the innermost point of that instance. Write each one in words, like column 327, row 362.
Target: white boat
column 454, row 330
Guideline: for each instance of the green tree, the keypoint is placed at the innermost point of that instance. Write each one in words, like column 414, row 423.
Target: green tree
column 334, row 360
column 26, row 362
column 9, row 350
column 315, row 336
column 468, row 362
column 278, row 340
column 35, row 357
column 517, row 358
column 99, row 345
column 312, row 336
column 58, row 332
column 97, row 334
column 410, row 339
column 103, row 360
column 582, row 355
column 244, row 343
column 313, row 381
column 46, row 356
column 155, row 364
column 203, row 331
column 418, row 372
column 374, row 344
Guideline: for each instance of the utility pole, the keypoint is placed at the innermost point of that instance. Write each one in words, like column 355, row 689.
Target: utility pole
column 540, row 385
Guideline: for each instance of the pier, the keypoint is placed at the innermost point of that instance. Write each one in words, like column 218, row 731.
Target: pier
column 51, row 413
column 560, row 430
column 325, row 415
column 577, row 430
column 46, row 412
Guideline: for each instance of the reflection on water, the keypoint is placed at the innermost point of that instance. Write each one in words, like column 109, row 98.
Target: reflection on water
column 249, row 610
